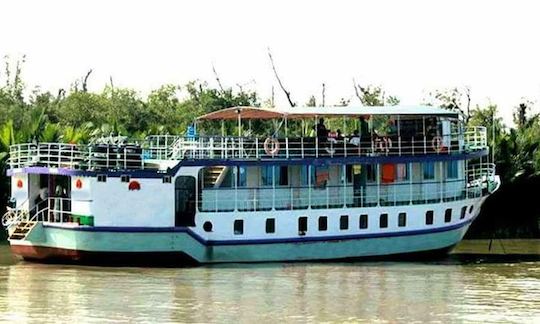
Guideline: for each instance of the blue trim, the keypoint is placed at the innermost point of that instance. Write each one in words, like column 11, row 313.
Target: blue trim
column 258, row 241
column 338, row 160
column 155, row 174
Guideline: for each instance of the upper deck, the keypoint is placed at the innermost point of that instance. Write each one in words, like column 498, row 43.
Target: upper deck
column 416, row 132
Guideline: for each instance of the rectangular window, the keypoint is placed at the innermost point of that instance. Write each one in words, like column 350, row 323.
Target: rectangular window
column 429, row 170
column 101, row 178
column 167, row 179
column 383, row 221
column 429, row 217
column 451, row 169
column 241, row 173
column 323, row 223
column 363, row 221
column 283, row 175
column 238, row 226
column 267, row 175
column 463, row 212
column 304, row 175
column 344, row 222
column 270, row 225
column 402, row 172
column 402, row 219
column 371, row 173
column 302, row 225
column 125, row 178
column 448, row 215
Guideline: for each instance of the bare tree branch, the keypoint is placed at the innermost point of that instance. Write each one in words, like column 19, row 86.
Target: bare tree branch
column 323, row 94
column 217, row 78
column 356, row 90
column 287, row 93
column 85, row 81
column 111, row 81
column 468, row 94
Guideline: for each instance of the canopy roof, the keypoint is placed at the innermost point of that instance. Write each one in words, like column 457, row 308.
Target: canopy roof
column 247, row 112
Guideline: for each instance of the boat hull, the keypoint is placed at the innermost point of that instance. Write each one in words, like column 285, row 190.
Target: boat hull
column 181, row 246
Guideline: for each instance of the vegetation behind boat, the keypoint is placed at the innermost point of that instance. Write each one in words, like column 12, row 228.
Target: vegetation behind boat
column 77, row 115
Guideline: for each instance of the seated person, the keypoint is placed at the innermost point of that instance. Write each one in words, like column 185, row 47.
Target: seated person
column 355, row 138
column 339, row 135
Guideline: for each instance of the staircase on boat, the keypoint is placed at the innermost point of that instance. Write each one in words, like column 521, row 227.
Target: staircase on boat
column 22, row 229
column 213, row 176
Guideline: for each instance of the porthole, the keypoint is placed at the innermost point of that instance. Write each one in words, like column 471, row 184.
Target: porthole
column 125, row 178
column 270, row 225
column 429, row 217
column 344, row 222
column 463, row 212
column 471, row 209
column 402, row 219
column 323, row 223
column 167, row 179
column 448, row 215
column 238, row 227
column 207, row 226
column 363, row 221
column 383, row 221
column 102, row 178
column 302, row 225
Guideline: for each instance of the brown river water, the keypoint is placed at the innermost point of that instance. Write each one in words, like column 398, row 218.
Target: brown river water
column 445, row 291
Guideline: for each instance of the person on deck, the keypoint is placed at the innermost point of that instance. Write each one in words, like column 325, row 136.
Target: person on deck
column 355, row 138
column 322, row 132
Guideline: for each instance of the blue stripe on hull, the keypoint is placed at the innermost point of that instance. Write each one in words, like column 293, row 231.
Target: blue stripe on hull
column 182, row 242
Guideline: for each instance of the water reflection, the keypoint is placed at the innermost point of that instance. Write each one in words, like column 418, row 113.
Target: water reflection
column 273, row 292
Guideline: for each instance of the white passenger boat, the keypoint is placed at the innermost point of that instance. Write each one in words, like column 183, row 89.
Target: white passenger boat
column 409, row 180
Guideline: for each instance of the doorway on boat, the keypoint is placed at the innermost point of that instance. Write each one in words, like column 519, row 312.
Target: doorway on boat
column 184, row 193
column 50, row 192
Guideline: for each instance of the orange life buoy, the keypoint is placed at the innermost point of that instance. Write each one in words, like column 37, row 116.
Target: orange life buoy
column 271, row 146
column 436, row 144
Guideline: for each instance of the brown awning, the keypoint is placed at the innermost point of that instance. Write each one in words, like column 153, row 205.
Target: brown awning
column 310, row 112
column 244, row 112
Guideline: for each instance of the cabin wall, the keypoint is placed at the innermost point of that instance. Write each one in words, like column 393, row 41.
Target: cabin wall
column 20, row 194
column 113, row 204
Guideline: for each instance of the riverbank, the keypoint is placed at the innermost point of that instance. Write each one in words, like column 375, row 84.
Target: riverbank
column 529, row 247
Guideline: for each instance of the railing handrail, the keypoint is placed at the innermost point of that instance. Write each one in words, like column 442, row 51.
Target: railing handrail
column 173, row 147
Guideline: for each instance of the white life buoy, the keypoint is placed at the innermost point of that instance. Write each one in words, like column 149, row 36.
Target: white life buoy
column 436, row 144
column 271, row 146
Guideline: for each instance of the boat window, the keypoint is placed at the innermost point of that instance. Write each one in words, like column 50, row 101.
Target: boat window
column 448, row 215
column 238, row 226
column 363, row 221
column 451, row 169
column 463, row 212
column 402, row 219
column 323, row 223
column 402, row 172
column 283, row 175
column 302, row 225
column 207, row 226
column 471, row 209
column 102, row 178
column 267, row 175
column 429, row 170
column 383, row 221
column 429, row 217
column 371, row 173
column 125, row 178
column 344, row 222
column 241, row 174
column 270, row 225
column 167, row 179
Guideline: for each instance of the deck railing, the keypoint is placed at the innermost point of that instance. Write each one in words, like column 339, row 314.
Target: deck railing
column 339, row 196
column 167, row 147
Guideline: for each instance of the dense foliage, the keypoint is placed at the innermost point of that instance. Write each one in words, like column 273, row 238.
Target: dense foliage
column 77, row 115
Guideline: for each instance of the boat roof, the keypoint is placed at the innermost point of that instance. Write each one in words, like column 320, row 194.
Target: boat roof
column 248, row 112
